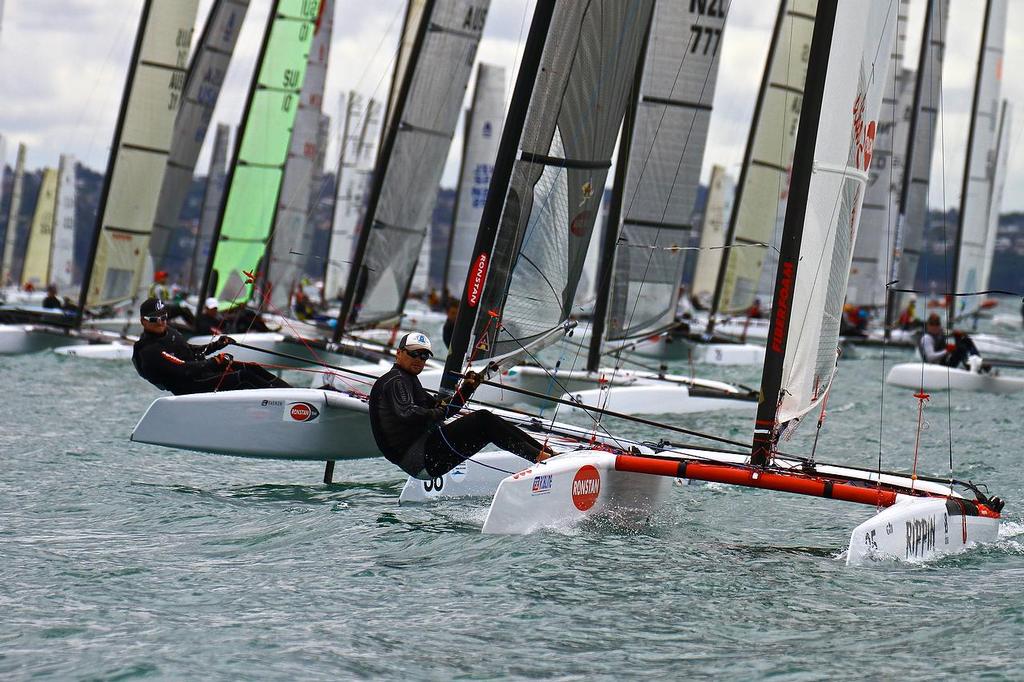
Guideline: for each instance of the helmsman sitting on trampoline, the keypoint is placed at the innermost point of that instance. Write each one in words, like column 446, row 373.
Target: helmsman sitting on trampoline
column 408, row 424
column 935, row 350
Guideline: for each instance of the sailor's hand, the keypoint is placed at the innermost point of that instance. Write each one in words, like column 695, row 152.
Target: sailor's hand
column 223, row 359
column 471, row 380
column 223, row 342
column 950, row 347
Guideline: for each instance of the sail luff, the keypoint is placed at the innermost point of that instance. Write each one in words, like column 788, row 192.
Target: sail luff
column 870, row 266
column 36, row 266
column 13, row 213
column 917, row 159
column 673, row 116
column 145, row 140
column 261, row 148
column 613, row 221
column 357, row 269
column 976, row 187
column 838, row 125
column 484, row 120
column 774, row 53
column 1001, row 154
column 291, row 237
column 138, row 154
column 62, row 260
column 202, row 90
column 412, row 162
column 213, row 194
column 508, row 146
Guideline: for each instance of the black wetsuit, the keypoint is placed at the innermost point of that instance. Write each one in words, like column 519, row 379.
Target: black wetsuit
column 209, row 324
column 171, row 364
column 958, row 356
column 407, row 426
column 52, row 301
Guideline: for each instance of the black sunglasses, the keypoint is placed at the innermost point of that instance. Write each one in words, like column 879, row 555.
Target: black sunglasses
column 154, row 319
column 419, row 354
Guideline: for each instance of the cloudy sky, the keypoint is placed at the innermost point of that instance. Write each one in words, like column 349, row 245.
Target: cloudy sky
column 63, row 63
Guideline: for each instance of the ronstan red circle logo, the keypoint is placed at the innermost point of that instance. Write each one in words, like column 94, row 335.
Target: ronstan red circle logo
column 303, row 412
column 586, row 487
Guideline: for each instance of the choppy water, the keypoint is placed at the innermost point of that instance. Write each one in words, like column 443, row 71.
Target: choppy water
column 127, row 561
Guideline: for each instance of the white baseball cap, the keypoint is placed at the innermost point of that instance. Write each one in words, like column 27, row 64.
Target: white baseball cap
column 211, row 302
column 416, row 341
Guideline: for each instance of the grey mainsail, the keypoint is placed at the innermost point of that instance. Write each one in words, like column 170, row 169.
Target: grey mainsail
column 212, row 196
column 666, row 151
column 545, row 194
column 413, row 154
column 484, row 120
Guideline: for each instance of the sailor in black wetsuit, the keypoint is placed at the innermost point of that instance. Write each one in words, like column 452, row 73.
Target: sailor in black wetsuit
column 408, row 426
column 934, row 349
column 163, row 358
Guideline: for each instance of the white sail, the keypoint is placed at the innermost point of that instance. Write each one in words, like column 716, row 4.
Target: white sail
column 998, row 183
column 215, row 178
column 3, row 170
column 35, row 268
column 717, row 207
column 62, row 261
column 361, row 133
column 410, row 26
column 554, row 194
column 202, row 90
column 812, row 300
column 909, row 236
column 483, row 131
column 979, row 169
column 13, row 213
column 870, row 268
column 764, row 185
column 292, row 237
column 136, row 174
column 666, row 152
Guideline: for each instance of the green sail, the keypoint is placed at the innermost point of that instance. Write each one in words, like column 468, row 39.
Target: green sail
column 255, row 180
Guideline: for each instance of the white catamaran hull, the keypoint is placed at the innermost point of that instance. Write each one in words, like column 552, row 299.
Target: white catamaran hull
column 271, row 423
column 916, row 375
column 98, row 351
column 654, row 398
column 916, row 529
column 569, row 488
column 18, row 339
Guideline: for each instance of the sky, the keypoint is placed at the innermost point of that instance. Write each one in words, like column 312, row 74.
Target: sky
column 63, row 65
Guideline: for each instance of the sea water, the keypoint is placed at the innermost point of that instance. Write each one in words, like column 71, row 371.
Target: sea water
column 123, row 561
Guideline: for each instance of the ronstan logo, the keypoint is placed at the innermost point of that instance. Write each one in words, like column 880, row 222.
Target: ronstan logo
column 586, row 487
column 303, row 412
column 782, row 307
column 476, row 282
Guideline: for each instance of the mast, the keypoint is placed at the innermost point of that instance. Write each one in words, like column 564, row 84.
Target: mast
column 511, row 133
column 13, row 211
column 972, row 131
column 789, row 250
column 748, row 155
column 391, row 133
column 908, row 167
column 614, row 218
column 467, row 126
